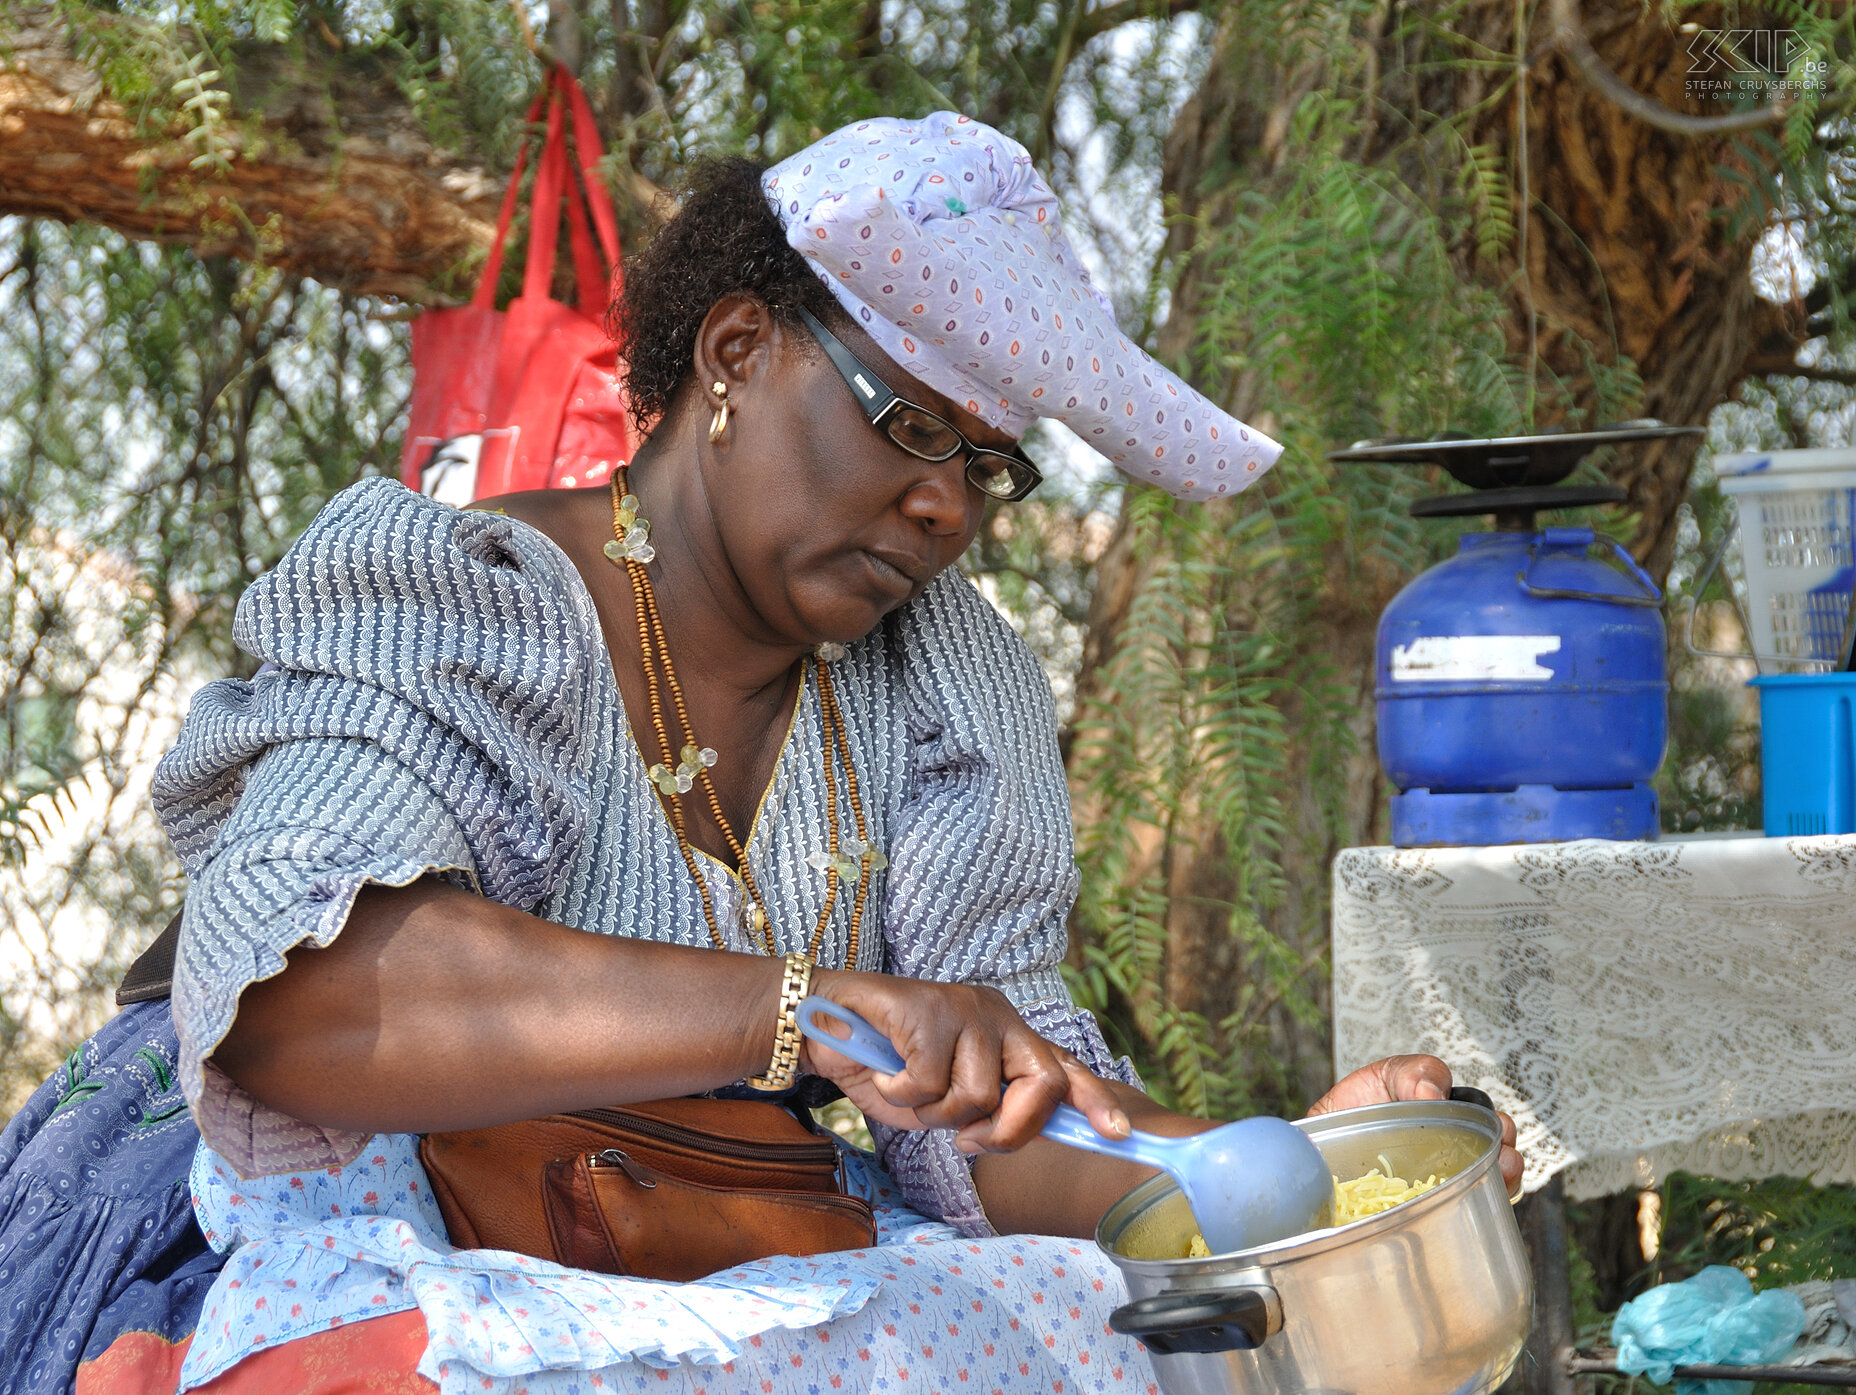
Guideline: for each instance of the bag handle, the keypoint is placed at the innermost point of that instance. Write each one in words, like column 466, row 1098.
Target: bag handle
column 562, row 99
column 544, row 217
column 589, row 271
column 598, row 282
column 485, row 297
column 598, row 198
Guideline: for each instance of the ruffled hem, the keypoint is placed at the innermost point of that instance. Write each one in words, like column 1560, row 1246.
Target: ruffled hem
column 253, row 1137
column 280, row 885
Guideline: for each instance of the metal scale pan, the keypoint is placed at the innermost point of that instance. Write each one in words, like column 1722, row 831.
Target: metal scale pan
column 1507, row 462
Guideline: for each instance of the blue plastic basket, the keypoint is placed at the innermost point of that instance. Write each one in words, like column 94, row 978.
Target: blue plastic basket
column 1807, row 732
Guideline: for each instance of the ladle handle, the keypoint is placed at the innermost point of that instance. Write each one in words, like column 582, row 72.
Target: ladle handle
column 1069, row 1125
column 865, row 1044
column 869, row 1047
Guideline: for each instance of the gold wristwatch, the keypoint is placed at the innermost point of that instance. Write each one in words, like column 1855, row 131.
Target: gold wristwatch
column 784, row 1067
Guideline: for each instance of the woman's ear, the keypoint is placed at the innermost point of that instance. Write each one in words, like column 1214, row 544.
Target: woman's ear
column 733, row 347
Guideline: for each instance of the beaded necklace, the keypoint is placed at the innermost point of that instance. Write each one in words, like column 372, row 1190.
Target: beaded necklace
column 631, row 548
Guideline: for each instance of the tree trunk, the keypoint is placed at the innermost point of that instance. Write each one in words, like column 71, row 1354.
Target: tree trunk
column 1624, row 252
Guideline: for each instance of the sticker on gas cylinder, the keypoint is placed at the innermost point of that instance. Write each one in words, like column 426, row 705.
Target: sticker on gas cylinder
column 1465, row 658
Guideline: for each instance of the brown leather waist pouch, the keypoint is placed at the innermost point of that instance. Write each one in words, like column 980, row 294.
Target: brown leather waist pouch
column 668, row 1189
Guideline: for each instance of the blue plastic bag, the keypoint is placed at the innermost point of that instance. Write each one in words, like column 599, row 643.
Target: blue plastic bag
column 1714, row 1318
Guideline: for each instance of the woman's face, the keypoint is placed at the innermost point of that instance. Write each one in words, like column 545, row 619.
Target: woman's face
column 828, row 523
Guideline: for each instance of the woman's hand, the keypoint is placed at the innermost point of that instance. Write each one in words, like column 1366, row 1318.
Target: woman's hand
column 1412, row 1078
column 960, row 1042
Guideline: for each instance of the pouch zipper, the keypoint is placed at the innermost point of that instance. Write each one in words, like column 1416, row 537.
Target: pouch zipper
column 617, row 1157
column 841, row 1200
column 821, row 1154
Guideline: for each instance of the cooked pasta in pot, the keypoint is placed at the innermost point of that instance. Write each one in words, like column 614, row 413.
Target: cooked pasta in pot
column 1364, row 1196
column 1375, row 1192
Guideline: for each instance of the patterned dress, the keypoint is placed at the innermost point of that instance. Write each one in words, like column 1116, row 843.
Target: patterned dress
column 438, row 699
column 99, row 1249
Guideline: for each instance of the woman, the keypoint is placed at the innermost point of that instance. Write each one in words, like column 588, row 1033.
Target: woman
column 740, row 721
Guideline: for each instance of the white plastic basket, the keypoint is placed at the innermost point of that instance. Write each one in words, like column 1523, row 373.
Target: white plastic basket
column 1797, row 525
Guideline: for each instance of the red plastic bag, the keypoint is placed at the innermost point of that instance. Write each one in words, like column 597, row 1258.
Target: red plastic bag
column 528, row 397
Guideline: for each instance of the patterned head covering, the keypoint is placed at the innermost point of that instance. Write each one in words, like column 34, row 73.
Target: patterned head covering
column 944, row 243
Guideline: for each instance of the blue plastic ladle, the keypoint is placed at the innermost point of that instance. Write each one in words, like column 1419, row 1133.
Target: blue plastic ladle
column 1248, row 1183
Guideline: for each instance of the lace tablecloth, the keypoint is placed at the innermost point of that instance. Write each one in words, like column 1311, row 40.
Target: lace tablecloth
column 1638, row 1007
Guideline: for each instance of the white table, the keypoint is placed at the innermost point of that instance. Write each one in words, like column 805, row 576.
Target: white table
column 1638, row 1007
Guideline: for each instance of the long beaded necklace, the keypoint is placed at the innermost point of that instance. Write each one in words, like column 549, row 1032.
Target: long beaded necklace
column 631, row 548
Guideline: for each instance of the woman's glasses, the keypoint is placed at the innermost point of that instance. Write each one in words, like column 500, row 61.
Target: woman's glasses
column 1004, row 475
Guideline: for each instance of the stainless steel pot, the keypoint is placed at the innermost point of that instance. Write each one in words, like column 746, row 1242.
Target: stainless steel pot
column 1430, row 1298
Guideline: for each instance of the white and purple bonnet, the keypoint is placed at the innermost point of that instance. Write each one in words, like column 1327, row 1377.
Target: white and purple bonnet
column 940, row 238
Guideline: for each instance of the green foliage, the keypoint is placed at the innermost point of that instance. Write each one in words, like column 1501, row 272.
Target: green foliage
column 1811, row 198
column 1188, row 738
column 272, row 20
column 1782, row 1230
column 1710, row 777
column 765, row 77
column 1488, row 191
column 465, row 65
column 1335, row 282
column 1333, row 292
column 167, row 426
column 467, row 68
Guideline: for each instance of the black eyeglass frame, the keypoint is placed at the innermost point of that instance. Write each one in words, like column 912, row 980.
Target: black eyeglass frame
column 881, row 406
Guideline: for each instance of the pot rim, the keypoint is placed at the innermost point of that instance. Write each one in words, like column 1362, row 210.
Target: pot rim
column 1309, row 1244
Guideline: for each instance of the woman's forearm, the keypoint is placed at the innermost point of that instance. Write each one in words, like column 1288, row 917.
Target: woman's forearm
column 1048, row 1188
column 435, row 1009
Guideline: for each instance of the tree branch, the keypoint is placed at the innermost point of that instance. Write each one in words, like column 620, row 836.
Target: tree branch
column 369, row 204
column 1067, row 44
column 1568, row 36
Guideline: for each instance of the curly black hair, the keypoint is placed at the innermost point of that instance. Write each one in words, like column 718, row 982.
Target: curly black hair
column 726, row 239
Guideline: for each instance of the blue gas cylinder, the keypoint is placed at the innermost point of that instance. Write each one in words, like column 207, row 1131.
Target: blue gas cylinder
column 1522, row 694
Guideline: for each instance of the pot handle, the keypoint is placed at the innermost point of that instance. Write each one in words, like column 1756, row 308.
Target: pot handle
column 1469, row 1094
column 1201, row 1320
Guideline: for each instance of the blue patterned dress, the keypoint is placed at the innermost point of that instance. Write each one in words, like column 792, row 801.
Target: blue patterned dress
column 97, row 1231
column 437, row 699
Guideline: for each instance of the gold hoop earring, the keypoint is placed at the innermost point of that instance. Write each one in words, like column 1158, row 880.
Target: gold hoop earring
column 719, row 423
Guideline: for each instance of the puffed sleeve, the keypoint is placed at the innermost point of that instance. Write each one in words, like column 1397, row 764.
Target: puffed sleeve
column 982, row 865
column 422, row 709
